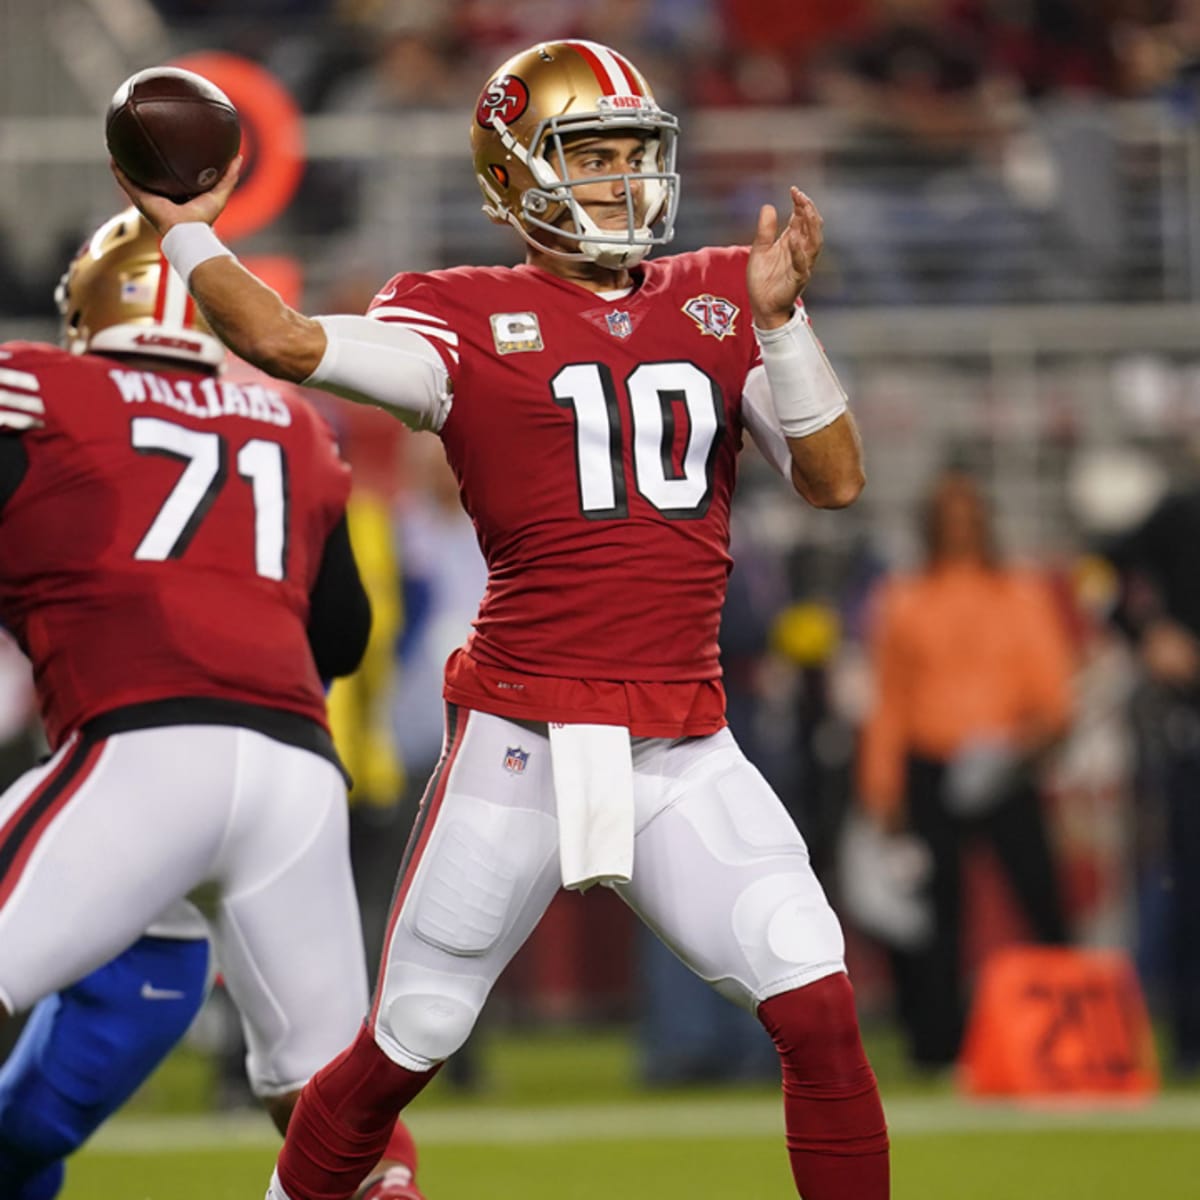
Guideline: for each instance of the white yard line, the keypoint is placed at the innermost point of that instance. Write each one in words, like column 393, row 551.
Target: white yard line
column 685, row 1120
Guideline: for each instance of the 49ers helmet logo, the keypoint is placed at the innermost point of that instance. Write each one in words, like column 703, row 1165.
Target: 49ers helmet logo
column 505, row 97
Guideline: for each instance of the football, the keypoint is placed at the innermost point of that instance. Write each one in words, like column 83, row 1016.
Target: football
column 172, row 132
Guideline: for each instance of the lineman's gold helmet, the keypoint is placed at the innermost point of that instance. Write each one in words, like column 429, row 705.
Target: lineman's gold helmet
column 558, row 90
column 120, row 296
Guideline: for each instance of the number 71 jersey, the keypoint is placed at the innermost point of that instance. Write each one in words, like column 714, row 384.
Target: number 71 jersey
column 160, row 533
column 595, row 443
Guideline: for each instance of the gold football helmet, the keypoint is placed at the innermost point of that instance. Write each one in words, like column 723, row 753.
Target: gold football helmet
column 552, row 92
column 120, row 296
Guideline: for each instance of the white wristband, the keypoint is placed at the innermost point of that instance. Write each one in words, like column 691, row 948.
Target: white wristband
column 806, row 393
column 189, row 244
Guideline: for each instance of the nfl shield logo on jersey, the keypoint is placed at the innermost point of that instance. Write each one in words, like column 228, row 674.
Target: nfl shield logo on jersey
column 515, row 759
column 619, row 324
column 714, row 314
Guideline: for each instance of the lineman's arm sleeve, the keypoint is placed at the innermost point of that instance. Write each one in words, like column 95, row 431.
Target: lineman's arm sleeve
column 339, row 615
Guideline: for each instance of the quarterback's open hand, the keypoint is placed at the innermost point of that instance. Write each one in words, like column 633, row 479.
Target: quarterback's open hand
column 163, row 213
column 781, row 264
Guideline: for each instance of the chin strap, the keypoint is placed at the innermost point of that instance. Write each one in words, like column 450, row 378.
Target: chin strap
column 610, row 255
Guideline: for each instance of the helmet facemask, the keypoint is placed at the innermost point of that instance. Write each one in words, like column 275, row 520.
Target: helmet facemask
column 544, row 206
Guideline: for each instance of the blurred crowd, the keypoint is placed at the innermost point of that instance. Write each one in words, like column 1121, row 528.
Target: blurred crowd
column 968, row 149
column 724, row 52
column 974, row 160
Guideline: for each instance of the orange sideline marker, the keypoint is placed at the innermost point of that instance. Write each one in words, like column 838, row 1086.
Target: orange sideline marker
column 1060, row 1023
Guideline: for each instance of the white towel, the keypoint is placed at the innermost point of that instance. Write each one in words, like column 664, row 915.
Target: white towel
column 593, row 790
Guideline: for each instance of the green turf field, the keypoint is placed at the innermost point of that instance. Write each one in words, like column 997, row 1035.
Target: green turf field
column 559, row 1120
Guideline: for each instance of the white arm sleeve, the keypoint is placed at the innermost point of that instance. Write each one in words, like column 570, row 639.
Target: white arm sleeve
column 372, row 362
column 762, row 421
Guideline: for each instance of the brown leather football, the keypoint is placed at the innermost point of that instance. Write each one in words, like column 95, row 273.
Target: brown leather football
column 172, row 132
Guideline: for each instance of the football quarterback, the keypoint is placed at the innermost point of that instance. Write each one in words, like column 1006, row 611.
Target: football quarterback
column 592, row 402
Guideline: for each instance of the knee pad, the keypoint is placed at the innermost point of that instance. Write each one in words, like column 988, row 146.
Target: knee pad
column 428, row 1025
column 85, row 1050
column 788, row 932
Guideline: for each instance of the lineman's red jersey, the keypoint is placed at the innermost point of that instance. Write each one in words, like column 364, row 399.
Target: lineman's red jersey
column 595, row 444
column 153, row 548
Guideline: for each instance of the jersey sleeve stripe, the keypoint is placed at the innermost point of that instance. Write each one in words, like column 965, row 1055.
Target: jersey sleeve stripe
column 21, row 402
column 427, row 332
column 446, row 350
column 17, row 420
column 397, row 310
column 443, row 335
column 20, row 379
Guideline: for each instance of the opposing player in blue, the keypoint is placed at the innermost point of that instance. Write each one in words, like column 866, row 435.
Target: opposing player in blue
column 87, row 1049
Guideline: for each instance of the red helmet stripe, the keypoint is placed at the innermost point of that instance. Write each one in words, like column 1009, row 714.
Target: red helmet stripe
column 631, row 75
column 614, row 75
column 160, row 297
column 590, row 57
column 173, row 301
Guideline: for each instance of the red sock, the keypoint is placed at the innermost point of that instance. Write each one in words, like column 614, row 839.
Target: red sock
column 345, row 1120
column 836, row 1133
column 400, row 1154
column 401, row 1148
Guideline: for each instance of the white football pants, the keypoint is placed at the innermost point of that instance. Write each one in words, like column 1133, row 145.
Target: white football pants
column 107, row 836
column 720, row 873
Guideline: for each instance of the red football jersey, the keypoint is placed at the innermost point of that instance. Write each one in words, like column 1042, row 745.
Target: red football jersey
column 595, row 444
column 156, row 546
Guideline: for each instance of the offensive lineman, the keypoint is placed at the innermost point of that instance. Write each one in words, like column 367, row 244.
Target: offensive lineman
column 592, row 406
column 174, row 559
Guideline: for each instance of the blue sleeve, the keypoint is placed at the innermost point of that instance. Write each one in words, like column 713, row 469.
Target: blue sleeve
column 86, row 1050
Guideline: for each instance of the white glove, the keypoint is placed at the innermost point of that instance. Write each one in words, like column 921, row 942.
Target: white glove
column 882, row 879
column 981, row 775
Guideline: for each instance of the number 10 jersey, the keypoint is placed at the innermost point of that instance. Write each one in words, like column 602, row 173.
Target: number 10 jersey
column 594, row 440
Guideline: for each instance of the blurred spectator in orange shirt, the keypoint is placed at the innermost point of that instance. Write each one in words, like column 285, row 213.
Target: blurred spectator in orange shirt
column 972, row 668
